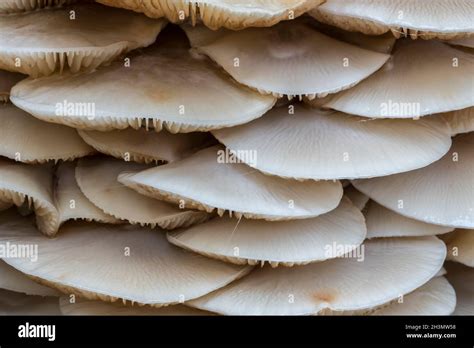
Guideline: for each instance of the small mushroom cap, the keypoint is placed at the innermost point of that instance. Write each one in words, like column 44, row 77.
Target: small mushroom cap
column 390, row 267
column 302, row 143
column 27, row 139
column 210, row 180
column 164, row 86
column 220, row 13
column 88, row 307
column 292, row 59
column 460, row 245
column 75, row 38
column 14, row 303
column 143, row 146
column 15, row 6
column 288, row 243
column 441, row 193
column 461, row 278
column 110, row 262
column 97, row 179
column 7, row 81
column 411, row 86
column 382, row 222
column 356, row 197
column 442, row 19
column 461, row 121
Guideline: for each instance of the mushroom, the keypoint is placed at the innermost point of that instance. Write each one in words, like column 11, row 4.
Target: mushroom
column 466, row 42
column 443, row 19
column 460, row 245
column 213, row 179
column 14, row 303
column 302, row 143
column 461, row 121
column 461, row 278
column 391, row 267
column 441, row 193
column 356, row 197
column 75, row 38
column 14, row 6
column 408, row 86
column 7, row 81
column 97, row 179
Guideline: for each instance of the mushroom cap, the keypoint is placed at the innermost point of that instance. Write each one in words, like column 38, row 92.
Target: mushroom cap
column 314, row 144
column 164, row 86
column 461, row 278
column 93, row 260
column 391, row 267
column 442, row 19
column 411, row 86
column 288, row 243
column 441, row 193
column 199, row 35
column 7, row 81
column 88, row 307
column 292, row 59
column 52, row 40
column 27, row 139
column 15, row 6
column 382, row 222
column 14, row 303
column 208, row 180
column 97, row 179
column 466, row 42
column 220, row 13
column 461, row 121
column 460, row 245
column 143, row 146
column 356, row 197
column 71, row 202
column 33, row 184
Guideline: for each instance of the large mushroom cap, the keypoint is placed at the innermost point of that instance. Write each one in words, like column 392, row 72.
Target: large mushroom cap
column 442, row 19
column 213, row 179
column 7, row 81
column 391, row 267
column 79, row 37
column 220, row 13
column 14, row 6
column 164, row 86
column 441, row 193
column 297, row 142
column 97, row 179
column 411, row 86
column 292, row 59
column 277, row 242
column 460, row 245
column 14, row 303
column 461, row 278
column 112, row 262
column 27, row 139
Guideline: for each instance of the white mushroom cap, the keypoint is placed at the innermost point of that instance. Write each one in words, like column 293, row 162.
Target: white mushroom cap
column 164, row 86
column 442, row 19
column 143, row 146
column 301, row 143
column 14, row 6
column 42, row 42
column 441, row 193
column 292, row 59
column 208, row 180
column 14, row 303
column 356, row 197
column 462, row 279
column 7, row 81
column 460, row 245
column 27, row 139
column 391, row 267
column 112, row 262
column 461, row 121
column 411, row 86
column 287, row 243
column 97, row 179
column 382, row 222
column 220, row 13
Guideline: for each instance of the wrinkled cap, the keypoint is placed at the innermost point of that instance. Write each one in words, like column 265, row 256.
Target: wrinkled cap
column 460, row 245
column 461, row 278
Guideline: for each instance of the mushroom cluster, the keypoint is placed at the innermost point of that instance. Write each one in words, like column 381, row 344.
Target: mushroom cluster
column 260, row 157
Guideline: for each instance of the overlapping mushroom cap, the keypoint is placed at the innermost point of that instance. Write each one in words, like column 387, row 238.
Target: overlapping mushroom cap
column 80, row 37
column 220, row 13
column 461, row 121
column 461, row 278
column 214, row 179
column 7, row 81
column 460, row 245
column 442, row 19
column 14, row 303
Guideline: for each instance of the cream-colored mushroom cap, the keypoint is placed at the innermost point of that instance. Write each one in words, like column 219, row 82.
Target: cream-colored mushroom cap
column 442, row 19
column 7, row 81
column 14, row 6
column 411, row 86
column 461, row 121
column 165, row 86
column 302, row 143
column 441, row 193
column 284, row 243
column 14, row 303
column 211, row 180
column 97, row 179
column 79, row 37
column 220, row 13
column 292, row 59
column 110, row 262
column 27, row 139
column 144, row 146
column 382, row 222
column 390, row 267
column 461, row 278
column 460, row 245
